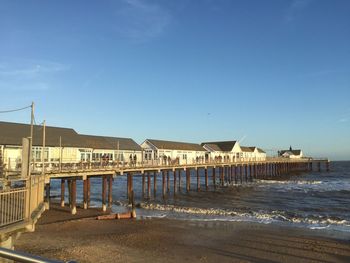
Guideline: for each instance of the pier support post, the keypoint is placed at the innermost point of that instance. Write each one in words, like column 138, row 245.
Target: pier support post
column 188, row 179
column 148, row 184
column 236, row 174
column 155, row 184
column 198, row 180
column 319, row 166
column 73, row 196
column 241, row 173
column 246, row 173
column 130, row 187
column 163, row 183
column 110, row 191
column 175, row 184
column 250, row 173
column 180, row 180
column 85, row 194
column 88, row 191
column 222, row 178
column 206, row 178
column 47, row 196
column 327, row 166
column 62, row 192
column 143, row 185
column 104, row 189
column 214, row 177
column 168, row 181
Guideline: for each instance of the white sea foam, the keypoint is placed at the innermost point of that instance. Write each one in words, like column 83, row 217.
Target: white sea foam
column 261, row 216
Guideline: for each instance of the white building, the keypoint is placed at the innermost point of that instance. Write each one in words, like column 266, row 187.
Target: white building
column 113, row 149
column 293, row 154
column 258, row 154
column 223, row 151
column 62, row 145
column 248, row 153
column 169, row 152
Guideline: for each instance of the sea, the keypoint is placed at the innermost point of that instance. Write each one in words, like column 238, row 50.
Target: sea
column 314, row 200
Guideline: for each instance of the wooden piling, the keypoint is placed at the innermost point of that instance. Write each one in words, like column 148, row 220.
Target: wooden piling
column 104, row 189
column 188, row 179
column 175, row 186
column 198, row 180
column 236, row 174
column 168, row 181
column 214, row 177
column 130, row 187
column 143, row 185
column 85, row 194
column 241, row 173
column 206, row 178
column 88, row 191
column 155, row 184
column 246, row 173
column 222, row 179
column 62, row 192
column 148, row 184
column 73, row 196
column 110, row 191
column 180, row 180
column 163, row 183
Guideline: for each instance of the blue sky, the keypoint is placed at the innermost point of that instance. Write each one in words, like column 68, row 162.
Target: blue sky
column 274, row 72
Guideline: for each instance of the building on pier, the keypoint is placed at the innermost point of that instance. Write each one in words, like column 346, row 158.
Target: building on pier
column 110, row 149
column 257, row 154
column 223, row 151
column 170, row 152
column 63, row 146
column 292, row 154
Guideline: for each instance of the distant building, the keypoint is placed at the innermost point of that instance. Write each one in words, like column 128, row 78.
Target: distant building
column 170, row 152
column 223, row 151
column 293, row 154
column 248, row 153
column 258, row 154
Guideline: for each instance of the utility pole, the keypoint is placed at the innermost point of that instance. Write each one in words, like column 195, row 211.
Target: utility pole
column 43, row 150
column 31, row 138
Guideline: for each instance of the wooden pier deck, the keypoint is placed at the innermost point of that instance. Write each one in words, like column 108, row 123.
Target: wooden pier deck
column 221, row 173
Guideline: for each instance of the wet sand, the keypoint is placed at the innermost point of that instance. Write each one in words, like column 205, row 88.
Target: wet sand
column 163, row 240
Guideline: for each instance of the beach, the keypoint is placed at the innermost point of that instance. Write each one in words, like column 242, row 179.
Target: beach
column 59, row 235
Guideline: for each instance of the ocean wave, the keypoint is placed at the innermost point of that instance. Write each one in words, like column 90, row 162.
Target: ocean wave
column 302, row 182
column 260, row 216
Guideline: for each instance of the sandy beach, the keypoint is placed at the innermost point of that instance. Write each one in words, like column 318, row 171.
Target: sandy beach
column 86, row 239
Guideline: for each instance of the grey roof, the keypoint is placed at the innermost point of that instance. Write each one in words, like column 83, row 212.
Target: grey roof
column 110, row 143
column 184, row 146
column 12, row 134
column 224, row 146
column 213, row 147
column 294, row 152
column 261, row 150
column 246, row 149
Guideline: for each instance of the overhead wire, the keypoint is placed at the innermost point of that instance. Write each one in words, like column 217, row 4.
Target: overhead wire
column 19, row 109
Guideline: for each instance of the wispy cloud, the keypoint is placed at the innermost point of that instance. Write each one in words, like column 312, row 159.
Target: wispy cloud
column 295, row 8
column 33, row 70
column 141, row 20
column 29, row 75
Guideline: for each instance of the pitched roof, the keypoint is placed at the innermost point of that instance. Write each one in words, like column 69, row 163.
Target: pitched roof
column 224, row 146
column 246, row 149
column 253, row 148
column 261, row 150
column 109, row 143
column 170, row 145
column 294, row 152
column 12, row 134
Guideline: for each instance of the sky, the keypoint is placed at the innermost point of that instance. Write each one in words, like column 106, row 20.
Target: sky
column 270, row 73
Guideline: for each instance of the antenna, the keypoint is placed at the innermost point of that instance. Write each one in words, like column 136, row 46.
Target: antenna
column 242, row 139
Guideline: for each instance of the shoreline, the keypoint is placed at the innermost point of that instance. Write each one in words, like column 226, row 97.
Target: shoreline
column 86, row 239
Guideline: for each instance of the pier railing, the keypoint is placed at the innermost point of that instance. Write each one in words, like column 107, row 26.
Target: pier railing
column 20, row 200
